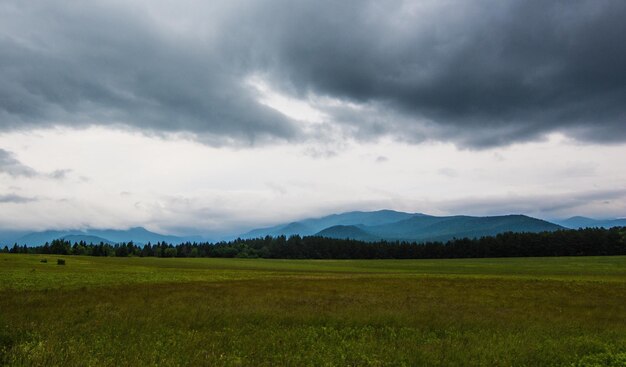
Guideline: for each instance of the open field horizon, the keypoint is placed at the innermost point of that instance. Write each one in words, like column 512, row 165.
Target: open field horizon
column 177, row 150
column 559, row 311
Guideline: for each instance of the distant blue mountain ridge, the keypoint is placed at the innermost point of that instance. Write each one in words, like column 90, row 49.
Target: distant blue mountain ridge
column 584, row 222
column 392, row 225
column 358, row 225
column 138, row 235
column 312, row 226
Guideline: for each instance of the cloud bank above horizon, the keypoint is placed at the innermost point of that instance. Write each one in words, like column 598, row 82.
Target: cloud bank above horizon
column 117, row 179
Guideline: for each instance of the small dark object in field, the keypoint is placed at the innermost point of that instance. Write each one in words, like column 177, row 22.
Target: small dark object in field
column 60, row 262
column 43, row 260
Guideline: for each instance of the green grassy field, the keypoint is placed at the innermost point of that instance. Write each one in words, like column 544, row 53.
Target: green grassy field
column 230, row 312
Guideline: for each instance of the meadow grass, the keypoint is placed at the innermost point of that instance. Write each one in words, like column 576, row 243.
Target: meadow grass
column 230, row 312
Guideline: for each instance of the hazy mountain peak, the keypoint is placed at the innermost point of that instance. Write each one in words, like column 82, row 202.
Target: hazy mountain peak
column 394, row 225
column 351, row 232
column 585, row 222
column 138, row 235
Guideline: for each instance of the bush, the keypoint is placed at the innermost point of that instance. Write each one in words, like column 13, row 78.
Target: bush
column 170, row 252
column 43, row 260
column 60, row 262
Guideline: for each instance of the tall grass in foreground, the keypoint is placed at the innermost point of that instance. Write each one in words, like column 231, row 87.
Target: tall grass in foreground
column 257, row 312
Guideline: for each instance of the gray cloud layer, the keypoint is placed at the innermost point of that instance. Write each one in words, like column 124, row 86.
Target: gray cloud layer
column 13, row 167
column 479, row 73
column 14, row 199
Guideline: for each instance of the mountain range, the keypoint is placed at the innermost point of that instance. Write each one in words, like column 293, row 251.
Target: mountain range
column 138, row 235
column 584, row 222
column 392, row 225
column 358, row 225
column 311, row 226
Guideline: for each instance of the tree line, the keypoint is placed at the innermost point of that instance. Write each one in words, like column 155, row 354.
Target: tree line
column 581, row 242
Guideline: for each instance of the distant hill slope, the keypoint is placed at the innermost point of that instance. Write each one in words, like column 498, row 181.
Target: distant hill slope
column 73, row 238
column 427, row 228
column 312, row 226
column 135, row 234
column 8, row 237
column 138, row 235
column 351, row 232
column 584, row 222
column 363, row 218
column 40, row 238
column 283, row 229
column 391, row 225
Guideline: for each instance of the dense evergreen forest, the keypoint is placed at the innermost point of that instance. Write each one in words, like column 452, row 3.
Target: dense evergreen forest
column 581, row 242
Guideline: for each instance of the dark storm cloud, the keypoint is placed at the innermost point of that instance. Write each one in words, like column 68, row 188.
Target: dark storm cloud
column 88, row 63
column 479, row 73
column 486, row 73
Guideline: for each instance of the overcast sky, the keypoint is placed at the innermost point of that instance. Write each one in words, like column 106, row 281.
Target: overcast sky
column 204, row 117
